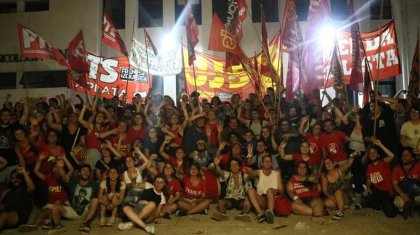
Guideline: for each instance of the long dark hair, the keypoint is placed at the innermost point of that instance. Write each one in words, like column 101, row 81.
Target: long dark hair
column 117, row 184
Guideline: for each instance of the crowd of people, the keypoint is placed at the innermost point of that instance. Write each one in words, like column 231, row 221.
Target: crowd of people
column 155, row 158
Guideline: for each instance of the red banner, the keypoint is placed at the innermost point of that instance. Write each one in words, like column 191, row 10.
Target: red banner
column 111, row 74
column 111, row 36
column 76, row 56
column 34, row 46
column 389, row 63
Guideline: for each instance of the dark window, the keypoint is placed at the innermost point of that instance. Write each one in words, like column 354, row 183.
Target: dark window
column 270, row 7
column 8, row 7
column 44, row 79
column 302, row 8
column 339, row 10
column 116, row 11
column 150, row 13
column 8, row 81
column 196, row 8
column 37, row 5
column 375, row 9
column 220, row 8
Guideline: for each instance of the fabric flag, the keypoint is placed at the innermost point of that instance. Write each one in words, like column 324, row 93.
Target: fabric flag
column 149, row 43
column 34, row 46
column 222, row 40
column 265, row 54
column 292, row 39
column 413, row 85
column 257, row 80
column 367, row 84
column 111, row 36
column 318, row 18
column 236, row 14
column 76, row 57
column 192, row 33
column 337, row 71
column 356, row 76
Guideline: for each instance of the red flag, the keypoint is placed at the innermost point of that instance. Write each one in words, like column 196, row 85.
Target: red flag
column 192, row 33
column 257, row 78
column 367, row 85
column 76, row 57
column 265, row 54
column 318, row 18
column 34, row 46
column 292, row 39
column 111, row 36
column 413, row 84
column 337, row 71
column 222, row 40
column 149, row 43
column 356, row 76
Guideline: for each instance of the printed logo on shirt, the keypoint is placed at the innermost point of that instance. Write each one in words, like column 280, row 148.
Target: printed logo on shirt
column 333, row 148
column 313, row 148
column 376, row 177
column 381, row 123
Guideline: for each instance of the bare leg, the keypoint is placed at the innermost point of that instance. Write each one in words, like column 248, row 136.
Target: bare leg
column 138, row 218
column 8, row 219
column 339, row 197
column 300, row 208
column 317, row 207
column 253, row 198
column 200, row 206
column 93, row 207
column 42, row 215
column 271, row 199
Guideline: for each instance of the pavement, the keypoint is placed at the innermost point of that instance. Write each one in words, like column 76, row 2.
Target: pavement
column 363, row 221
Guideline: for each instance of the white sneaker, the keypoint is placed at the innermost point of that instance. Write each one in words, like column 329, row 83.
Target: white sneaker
column 150, row 229
column 125, row 226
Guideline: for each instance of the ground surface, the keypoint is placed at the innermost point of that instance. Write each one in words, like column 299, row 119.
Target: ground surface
column 364, row 221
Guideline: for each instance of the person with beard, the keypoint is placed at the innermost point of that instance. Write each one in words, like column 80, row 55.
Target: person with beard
column 406, row 182
column 333, row 142
column 16, row 203
column 379, row 191
column 83, row 198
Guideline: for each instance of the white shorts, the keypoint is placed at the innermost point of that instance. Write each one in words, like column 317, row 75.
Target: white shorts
column 69, row 212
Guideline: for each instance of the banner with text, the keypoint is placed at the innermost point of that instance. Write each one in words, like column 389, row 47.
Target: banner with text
column 114, row 76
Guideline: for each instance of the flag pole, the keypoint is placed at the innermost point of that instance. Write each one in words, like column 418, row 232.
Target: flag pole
column 253, row 85
column 341, row 68
column 131, row 51
column 267, row 54
column 377, row 73
column 147, row 55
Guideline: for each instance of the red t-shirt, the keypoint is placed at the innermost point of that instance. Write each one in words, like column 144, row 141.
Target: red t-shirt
column 56, row 192
column 178, row 138
column 398, row 173
column 49, row 162
column 379, row 176
column 174, row 186
column 334, row 145
column 314, row 147
column 303, row 191
column 192, row 192
column 312, row 162
column 29, row 154
column 133, row 134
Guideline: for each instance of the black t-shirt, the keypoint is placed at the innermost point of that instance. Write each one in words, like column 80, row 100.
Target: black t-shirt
column 7, row 144
column 81, row 196
column 20, row 201
column 191, row 136
column 151, row 195
column 67, row 139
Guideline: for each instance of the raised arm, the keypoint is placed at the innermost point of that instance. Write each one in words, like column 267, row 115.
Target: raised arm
column 283, row 155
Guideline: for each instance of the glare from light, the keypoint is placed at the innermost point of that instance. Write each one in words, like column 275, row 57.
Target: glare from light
column 326, row 37
column 168, row 42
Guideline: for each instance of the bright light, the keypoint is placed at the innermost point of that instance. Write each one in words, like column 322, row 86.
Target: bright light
column 169, row 42
column 326, row 37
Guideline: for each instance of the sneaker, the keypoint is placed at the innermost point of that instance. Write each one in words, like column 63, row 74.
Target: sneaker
column 338, row 215
column 84, row 227
column 243, row 218
column 150, row 229
column 269, row 216
column 180, row 213
column 355, row 206
column 27, row 228
column 261, row 218
column 111, row 221
column 218, row 216
column 167, row 215
column 57, row 230
column 47, row 224
column 102, row 222
column 205, row 212
column 319, row 220
column 125, row 226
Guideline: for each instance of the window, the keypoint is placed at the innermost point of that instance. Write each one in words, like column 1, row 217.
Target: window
column 270, row 7
column 339, row 10
column 220, row 7
column 196, row 8
column 116, row 11
column 375, row 9
column 8, row 81
column 37, row 5
column 8, row 7
column 44, row 79
column 302, row 8
column 150, row 13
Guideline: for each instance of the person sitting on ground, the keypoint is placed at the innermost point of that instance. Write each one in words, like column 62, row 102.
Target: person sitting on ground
column 333, row 185
column 146, row 209
column 16, row 203
column 379, row 192
column 193, row 198
column 236, row 184
column 269, row 185
column 111, row 195
column 172, row 192
column 305, row 192
column 406, row 182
